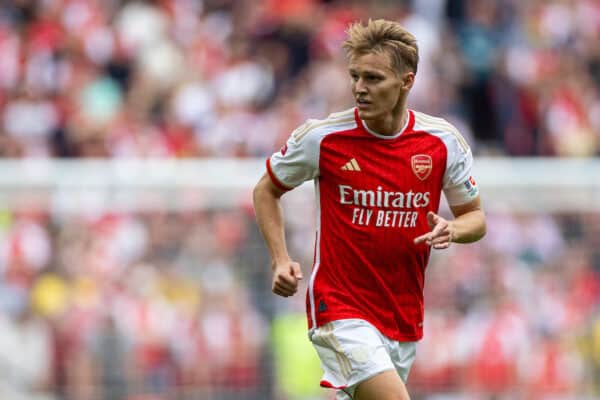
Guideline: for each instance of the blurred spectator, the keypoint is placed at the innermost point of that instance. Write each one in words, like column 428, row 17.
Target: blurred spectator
column 25, row 348
column 182, row 78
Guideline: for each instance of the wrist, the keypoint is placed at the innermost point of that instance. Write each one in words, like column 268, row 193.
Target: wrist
column 452, row 231
column 279, row 261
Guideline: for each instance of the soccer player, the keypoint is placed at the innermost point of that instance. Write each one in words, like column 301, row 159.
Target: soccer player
column 379, row 170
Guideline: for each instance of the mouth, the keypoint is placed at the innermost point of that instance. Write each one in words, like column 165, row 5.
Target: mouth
column 362, row 103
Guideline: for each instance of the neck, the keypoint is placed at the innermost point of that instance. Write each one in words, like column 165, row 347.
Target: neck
column 390, row 124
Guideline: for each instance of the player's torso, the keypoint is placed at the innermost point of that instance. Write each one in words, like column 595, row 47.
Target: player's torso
column 380, row 186
column 374, row 195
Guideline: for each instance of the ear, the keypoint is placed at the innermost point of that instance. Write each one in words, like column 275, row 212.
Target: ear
column 408, row 80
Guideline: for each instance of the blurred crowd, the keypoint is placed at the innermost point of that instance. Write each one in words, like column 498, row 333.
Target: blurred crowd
column 146, row 306
column 160, row 305
column 168, row 306
column 188, row 78
column 517, row 315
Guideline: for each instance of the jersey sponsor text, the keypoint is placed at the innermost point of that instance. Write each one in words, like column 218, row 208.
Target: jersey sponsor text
column 368, row 199
column 383, row 198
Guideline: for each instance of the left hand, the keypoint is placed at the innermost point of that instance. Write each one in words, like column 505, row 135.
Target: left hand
column 441, row 234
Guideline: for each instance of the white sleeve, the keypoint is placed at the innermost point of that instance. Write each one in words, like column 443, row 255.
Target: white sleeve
column 459, row 186
column 297, row 161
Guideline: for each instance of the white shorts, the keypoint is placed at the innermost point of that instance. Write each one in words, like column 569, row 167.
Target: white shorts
column 353, row 350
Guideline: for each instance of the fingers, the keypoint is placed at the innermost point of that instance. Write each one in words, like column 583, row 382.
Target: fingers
column 429, row 240
column 284, row 289
column 432, row 219
column 285, row 279
column 441, row 242
column 439, row 227
column 439, row 231
column 422, row 238
column 443, row 238
column 284, row 285
column 296, row 271
column 440, row 236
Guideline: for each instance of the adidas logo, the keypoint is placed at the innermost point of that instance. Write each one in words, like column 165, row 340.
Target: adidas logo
column 351, row 165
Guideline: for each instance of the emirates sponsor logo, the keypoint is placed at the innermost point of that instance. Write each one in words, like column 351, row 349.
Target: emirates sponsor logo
column 422, row 165
column 383, row 198
column 383, row 208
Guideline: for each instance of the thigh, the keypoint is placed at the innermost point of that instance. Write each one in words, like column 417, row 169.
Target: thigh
column 403, row 355
column 385, row 386
column 351, row 351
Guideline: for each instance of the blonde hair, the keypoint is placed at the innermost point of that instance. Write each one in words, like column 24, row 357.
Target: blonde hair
column 383, row 36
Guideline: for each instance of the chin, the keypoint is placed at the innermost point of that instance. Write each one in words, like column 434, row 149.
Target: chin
column 367, row 115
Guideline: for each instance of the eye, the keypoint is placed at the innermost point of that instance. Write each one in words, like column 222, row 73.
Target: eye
column 373, row 78
column 354, row 77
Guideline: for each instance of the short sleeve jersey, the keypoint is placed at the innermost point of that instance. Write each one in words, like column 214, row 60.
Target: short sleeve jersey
column 373, row 194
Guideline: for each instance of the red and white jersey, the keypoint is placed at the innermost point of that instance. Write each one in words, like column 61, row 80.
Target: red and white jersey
column 373, row 194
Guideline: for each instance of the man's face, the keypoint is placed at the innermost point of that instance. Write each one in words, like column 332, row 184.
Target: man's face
column 376, row 87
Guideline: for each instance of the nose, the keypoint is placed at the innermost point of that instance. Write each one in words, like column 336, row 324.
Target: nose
column 359, row 86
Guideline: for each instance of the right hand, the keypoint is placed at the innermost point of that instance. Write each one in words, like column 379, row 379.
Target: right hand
column 285, row 278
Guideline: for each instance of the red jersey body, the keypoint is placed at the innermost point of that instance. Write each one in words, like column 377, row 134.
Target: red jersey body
column 373, row 194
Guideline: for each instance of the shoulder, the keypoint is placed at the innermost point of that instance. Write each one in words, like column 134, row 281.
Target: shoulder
column 441, row 128
column 319, row 128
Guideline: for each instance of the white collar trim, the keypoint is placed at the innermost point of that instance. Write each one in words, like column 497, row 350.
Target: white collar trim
column 394, row 136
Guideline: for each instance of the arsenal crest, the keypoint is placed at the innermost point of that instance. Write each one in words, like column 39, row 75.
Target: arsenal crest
column 421, row 165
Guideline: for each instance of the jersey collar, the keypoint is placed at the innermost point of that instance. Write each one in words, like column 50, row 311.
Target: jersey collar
column 408, row 125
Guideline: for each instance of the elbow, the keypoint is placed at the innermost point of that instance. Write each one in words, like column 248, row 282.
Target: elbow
column 257, row 193
column 483, row 230
column 483, row 227
column 265, row 191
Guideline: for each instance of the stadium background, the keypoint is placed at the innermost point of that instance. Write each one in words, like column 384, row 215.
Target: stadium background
column 131, row 133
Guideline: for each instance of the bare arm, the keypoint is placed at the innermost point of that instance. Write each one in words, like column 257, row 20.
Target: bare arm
column 269, row 216
column 467, row 226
